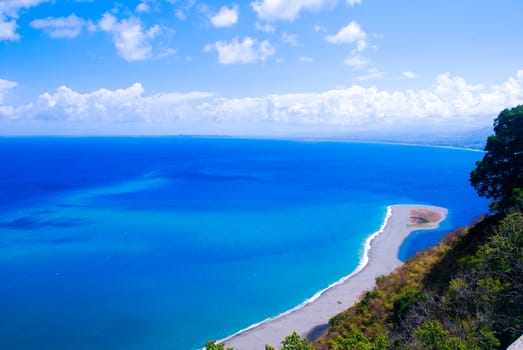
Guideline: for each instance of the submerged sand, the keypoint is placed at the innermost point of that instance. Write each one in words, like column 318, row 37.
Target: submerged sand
column 311, row 319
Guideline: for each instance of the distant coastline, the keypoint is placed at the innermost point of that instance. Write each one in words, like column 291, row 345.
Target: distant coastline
column 376, row 142
column 442, row 145
column 380, row 257
column 434, row 144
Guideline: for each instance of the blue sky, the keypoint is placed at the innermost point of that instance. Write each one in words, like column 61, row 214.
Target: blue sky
column 258, row 67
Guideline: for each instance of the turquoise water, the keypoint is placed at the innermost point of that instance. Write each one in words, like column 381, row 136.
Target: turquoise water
column 162, row 243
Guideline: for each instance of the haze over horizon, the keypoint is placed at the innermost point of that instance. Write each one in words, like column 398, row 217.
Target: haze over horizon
column 259, row 67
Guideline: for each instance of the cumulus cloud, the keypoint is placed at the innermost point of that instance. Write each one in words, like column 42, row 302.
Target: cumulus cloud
column 225, row 17
column 131, row 39
column 306, row 59
column 272, row 10
column 351, row 33
column 450, row 100
column 9, row 13
column 143, row 6
column 63, row 27
column 285, row 9
column 246, row 51
column 8, row 29
column 121, row 105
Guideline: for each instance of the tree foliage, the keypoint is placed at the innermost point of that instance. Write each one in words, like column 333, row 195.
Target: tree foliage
column 356, row 340
column 212, row 345
column 295, row 342
column 499, row 175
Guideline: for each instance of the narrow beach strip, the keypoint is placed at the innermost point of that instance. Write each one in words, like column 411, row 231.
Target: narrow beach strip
column 380, row 257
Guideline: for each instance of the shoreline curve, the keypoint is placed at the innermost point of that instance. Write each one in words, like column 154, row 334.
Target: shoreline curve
column 380, row 257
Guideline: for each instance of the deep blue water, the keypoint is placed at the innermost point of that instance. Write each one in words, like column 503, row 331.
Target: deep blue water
column 162, row 243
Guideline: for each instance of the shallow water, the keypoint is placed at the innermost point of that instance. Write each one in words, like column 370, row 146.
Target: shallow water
column 161, row 243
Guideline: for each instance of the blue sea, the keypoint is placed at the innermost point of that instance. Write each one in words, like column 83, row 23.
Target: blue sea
column 162, row 243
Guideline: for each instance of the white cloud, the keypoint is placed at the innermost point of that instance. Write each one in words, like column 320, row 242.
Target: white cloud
column 121, row 105
column 356, row 61
column 143, row 6
column 153, row 31
column 285, row 9
column 306, row 59
column 11, row 8
column 226, row 17
column 108, row 22
column 449, row 101
column 5, row 86
column 291, row 39
column 351, row 33
column 131, row 40
column 8, row 30
column 10, row 112
column 410, row 75
column 184, row 9
column 63, row 27
column 246, row 51
column 266, row 27
column 9, row 13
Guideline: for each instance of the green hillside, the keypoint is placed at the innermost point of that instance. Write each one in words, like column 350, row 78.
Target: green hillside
column 463, row 294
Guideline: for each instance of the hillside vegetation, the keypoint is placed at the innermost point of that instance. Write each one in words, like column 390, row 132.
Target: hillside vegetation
column 463, row 294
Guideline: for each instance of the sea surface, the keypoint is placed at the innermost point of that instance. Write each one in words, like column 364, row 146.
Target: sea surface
column 162, row 243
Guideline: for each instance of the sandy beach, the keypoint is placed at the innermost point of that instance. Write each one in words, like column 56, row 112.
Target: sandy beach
column 312, row 318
